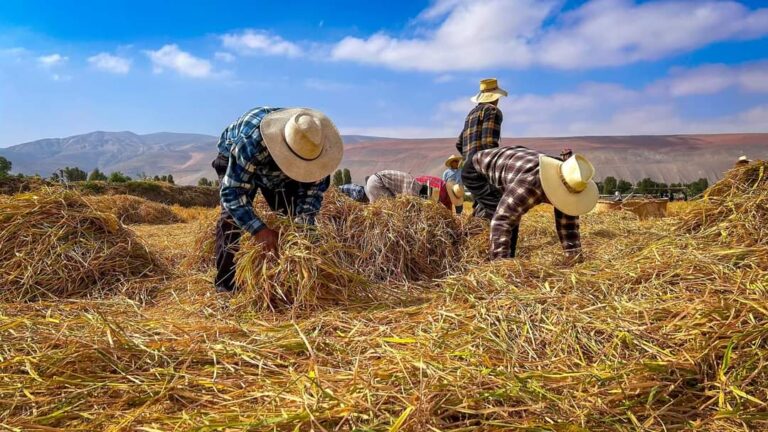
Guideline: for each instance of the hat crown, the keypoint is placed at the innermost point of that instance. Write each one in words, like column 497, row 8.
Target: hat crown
column 489, row 84
column 577, row 172
column 304, row 136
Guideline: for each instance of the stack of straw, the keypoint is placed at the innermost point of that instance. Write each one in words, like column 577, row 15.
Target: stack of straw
column 735, row 209
column 54, row 244
column 134, row 210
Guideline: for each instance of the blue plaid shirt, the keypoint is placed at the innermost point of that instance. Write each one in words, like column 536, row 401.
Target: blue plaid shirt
column 251, row 168
column 356, row 192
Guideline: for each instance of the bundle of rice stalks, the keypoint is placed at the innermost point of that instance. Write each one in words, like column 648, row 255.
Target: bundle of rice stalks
column 403, row 239
column 54, row 244
column 313, row 268
column 735, row 209
column 134, row 210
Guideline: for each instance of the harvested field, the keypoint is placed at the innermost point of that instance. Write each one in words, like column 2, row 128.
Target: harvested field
column 663, row 326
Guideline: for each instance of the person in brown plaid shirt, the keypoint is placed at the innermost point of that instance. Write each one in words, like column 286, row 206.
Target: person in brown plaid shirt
column 507, row 182
column 482, row 127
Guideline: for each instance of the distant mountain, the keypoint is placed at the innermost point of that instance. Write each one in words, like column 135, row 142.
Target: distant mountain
column 669, row 158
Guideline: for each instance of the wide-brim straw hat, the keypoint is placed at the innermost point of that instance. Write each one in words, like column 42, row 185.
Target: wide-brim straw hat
column 743, row 159
column 455, row 193
column 489, row 91
column 568, row 185
column 304, row 143
column 453, row 158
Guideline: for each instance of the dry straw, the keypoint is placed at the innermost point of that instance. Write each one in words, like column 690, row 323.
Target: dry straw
column 134, row 210
column 660, row 328
column 54, row 244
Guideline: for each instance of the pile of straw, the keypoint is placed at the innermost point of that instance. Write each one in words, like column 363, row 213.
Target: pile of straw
column 134, row 210
column 735, row 209
column 53, row 244
column 352, row 249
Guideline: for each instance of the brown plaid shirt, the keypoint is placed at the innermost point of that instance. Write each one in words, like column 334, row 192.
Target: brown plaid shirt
column 482, row 130
column 399, row 183
column 515, row 171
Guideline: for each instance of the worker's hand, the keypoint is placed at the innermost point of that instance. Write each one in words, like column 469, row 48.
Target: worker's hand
column 268, row 239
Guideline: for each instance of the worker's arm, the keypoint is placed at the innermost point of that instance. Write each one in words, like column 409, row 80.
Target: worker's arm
column 309, row 199
column 236, row 187
column 491, row 130
column 518, row 198
column 568, row 232
column 460, row 143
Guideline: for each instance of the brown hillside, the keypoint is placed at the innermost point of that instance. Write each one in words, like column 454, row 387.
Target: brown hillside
column 667, row 158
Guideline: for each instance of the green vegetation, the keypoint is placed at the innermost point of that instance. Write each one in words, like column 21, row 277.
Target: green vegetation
column 649, row 186
column 5, row 167
column 97, row 175
column 204, row 182
column 118, row 177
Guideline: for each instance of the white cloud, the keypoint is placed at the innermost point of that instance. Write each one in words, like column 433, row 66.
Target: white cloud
column 184, row 63
column 618, row 32
column 260, row 42
column 473, row 35
column 224, row 57
column 711, row 79
column 110, row 63
column 52, row 60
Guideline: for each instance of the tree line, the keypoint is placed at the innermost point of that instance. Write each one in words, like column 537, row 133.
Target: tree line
column 648, row 186
column 608, row 186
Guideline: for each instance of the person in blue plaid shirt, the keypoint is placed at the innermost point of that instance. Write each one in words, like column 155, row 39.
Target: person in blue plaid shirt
column 354, row 191
column 288, row 155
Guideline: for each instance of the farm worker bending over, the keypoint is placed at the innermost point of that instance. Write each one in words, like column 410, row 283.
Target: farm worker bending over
column 354, row 191
column 453, row 173
column 507, row 182
column 449, row 194
column 288, row 155
column 390, row 183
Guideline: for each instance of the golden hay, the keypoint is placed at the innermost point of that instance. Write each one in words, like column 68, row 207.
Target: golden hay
column 134, row 210
column 735, row 209
column 657, row 329
column 352, row 248
column 54, row 244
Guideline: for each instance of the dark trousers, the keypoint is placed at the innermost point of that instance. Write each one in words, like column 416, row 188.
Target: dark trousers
column 459, row 209
column 228, row 233
column 486, row 198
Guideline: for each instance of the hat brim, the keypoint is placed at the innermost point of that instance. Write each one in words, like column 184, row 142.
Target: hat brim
column 452, row 159
column 572, row 204
column 489, row 96
column 305, row 171
column 456, row 200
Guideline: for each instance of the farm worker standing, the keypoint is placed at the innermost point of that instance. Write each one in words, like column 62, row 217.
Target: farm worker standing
column 390, row 183
column 453, row 173
column 507, row 182
column 450, row 194
column 482, row 127
column 354, row 191
column 288, row 155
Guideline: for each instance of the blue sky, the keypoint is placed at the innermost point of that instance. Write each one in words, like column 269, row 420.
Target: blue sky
column 396, row 68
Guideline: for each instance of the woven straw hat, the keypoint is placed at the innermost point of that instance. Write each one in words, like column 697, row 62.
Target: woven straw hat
column 455, row 192
column 304, row 143
column 451, row 159
column 568, row 185
column 489, row 91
